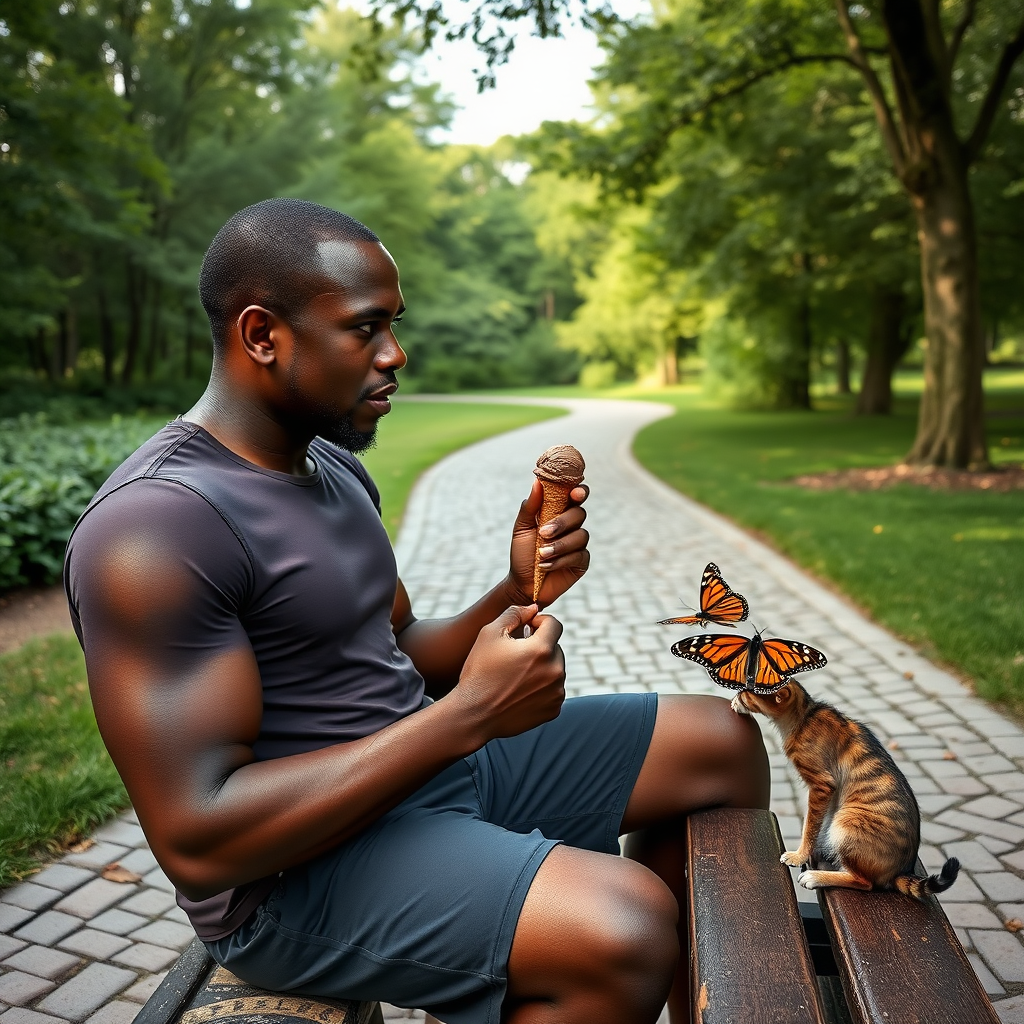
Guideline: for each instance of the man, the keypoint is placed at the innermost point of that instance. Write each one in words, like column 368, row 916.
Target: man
column 265, row 690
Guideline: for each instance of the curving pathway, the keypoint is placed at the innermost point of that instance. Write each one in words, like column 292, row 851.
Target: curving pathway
column 77, row 947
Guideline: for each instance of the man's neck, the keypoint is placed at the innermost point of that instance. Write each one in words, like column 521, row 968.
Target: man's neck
column 250, row 430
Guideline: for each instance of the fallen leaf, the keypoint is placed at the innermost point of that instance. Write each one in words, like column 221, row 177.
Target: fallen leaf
column 82, row 845
column 908, row 675
column 115, row 873
column 948, row 755
column 1014, row 924
column 893, row 745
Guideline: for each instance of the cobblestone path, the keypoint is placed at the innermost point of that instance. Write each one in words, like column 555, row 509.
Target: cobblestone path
column 76, row 947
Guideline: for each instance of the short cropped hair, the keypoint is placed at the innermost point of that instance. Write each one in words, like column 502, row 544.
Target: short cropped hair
column 270, row 254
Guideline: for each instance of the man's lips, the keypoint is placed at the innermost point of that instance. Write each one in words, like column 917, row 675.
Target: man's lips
column 378, row 400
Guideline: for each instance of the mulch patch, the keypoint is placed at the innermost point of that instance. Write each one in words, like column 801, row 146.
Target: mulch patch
column 1006, row 477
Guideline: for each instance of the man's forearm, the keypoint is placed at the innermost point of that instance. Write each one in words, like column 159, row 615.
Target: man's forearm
column 271, row 815
column 439, row 647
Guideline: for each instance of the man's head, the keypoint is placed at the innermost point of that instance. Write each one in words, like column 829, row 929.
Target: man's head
column 301, row 300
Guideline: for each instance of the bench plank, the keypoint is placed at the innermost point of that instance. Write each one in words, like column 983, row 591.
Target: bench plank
column 750, row 963
column 900, row 960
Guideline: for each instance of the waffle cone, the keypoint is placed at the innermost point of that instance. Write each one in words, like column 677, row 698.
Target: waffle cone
column 556, row 498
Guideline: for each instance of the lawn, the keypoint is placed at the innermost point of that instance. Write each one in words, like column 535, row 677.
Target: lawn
column 945, row 571
column 57, row 779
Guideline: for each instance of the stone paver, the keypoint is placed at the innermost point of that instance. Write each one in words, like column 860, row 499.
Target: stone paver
column 649, row 546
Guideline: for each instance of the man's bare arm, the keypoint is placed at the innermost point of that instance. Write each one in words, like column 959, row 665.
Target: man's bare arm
column 180, row 729
column 439, row 647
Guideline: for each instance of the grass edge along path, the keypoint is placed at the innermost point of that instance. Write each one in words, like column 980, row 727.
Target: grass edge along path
column 58, row 782
column 944, row 571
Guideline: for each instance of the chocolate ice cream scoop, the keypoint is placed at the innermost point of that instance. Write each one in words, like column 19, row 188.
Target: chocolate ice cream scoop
column 561, row 464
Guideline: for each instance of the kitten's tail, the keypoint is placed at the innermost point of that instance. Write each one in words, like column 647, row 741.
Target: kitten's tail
column 911, row 885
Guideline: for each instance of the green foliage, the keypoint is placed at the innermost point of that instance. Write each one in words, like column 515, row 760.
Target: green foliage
column 48, row 474
column 133, row 130
column 59, row 782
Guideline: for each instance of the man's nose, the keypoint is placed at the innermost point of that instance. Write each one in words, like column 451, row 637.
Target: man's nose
column 390, row 355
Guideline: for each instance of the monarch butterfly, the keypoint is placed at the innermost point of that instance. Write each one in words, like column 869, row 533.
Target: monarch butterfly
column 749, row 664
column 718, row 603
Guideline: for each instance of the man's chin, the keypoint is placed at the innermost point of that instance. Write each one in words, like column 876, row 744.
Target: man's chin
column 344, row 435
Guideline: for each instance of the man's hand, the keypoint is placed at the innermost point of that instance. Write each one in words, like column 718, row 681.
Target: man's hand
column 564, row 554
column 513, row 685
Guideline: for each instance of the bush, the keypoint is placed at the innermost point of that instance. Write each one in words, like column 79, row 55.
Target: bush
column 48, row 474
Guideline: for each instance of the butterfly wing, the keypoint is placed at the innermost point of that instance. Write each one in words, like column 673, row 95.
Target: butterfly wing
column 718, row 601
column 722, row 654
column 780, row 659
column 685, row 620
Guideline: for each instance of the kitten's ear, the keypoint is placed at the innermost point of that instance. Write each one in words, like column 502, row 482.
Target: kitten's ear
column 783, row 696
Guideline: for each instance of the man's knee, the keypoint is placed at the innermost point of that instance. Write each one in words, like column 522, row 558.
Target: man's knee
column 598, row 923
column 634, row 931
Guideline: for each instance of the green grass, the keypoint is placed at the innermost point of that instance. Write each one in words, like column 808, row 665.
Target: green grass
column 946, row 572
column 57, row 780
column 415, row 435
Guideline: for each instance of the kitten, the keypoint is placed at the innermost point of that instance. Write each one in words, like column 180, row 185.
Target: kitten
column 861, row 811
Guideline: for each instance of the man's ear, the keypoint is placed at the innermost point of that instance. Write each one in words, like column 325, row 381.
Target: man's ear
column 257, row 328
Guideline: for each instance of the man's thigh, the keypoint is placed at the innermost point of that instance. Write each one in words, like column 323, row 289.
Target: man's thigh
column 571, row 778
column 701, row 754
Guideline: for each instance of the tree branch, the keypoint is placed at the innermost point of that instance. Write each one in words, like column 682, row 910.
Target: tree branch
column 990, row 105
column 959, row 30
column 883, row 112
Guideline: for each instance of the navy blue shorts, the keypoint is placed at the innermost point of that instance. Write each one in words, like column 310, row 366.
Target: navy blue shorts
column 420, row 908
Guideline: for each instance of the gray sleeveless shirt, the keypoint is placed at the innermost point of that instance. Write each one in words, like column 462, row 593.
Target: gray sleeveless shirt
column 299, row 568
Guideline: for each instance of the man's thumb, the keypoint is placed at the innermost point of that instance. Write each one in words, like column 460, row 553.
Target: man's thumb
column 515, row 616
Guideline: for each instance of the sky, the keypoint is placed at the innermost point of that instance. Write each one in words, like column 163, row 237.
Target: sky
column 545, row 80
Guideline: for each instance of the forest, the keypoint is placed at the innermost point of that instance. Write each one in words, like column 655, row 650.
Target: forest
column 759, row 199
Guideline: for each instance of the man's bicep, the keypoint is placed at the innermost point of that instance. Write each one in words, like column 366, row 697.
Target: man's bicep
column 401, row 610
column 157, row 584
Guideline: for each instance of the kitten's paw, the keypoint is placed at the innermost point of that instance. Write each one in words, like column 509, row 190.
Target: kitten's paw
column 738, row 706
column 794, row 858
column 810, row 880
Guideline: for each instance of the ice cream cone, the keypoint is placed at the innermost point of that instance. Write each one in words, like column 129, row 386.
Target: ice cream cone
column 559, row 470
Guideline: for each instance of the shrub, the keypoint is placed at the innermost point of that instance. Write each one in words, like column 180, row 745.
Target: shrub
column 48, row 473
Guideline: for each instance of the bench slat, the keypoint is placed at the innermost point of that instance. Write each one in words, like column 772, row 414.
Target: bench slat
column 749, row 958
column 900, row 960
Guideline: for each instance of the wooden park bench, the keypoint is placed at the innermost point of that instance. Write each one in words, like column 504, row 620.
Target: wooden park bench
column 856, row 958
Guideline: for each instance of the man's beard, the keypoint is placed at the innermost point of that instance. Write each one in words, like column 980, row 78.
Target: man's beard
column 343, row 434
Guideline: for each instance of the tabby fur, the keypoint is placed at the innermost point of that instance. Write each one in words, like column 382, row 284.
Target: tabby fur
column 861, row 811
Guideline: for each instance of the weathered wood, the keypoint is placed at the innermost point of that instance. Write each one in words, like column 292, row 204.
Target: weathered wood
column 198, row 991
column 750, row 962
column 900, row 960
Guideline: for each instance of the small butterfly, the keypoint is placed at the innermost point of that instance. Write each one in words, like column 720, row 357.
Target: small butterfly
column 718, row 603
column 742, row 663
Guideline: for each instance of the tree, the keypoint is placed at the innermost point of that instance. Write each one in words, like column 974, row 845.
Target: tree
column 936, row 90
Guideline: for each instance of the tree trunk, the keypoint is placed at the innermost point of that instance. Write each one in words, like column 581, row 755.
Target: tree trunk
column 668, row 369
column 887, row 344
column 154, row 331
column 188, row 342
column 796, row 388
column 842, row 367
column 71, row 346
column 106, row 335
column 135, row 282
column 951, row 424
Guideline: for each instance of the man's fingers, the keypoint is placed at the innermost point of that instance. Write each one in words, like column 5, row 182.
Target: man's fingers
column 547, row 629
column 571, row 519
column 579, row 494
column 527, row 518
column 514, row 616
